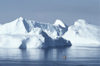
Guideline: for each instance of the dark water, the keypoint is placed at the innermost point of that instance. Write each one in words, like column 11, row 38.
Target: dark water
column 71, row 56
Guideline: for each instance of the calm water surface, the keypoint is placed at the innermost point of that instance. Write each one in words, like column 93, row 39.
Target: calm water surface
column 71, row 56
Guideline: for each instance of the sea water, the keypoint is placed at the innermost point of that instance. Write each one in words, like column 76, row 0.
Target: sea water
column 64, row 56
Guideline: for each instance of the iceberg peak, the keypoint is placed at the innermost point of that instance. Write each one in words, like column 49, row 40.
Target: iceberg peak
column 20, row 18
column 80, row 22
column 59, row 23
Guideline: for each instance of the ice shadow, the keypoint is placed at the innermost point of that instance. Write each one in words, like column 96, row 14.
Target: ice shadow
column 59, row 42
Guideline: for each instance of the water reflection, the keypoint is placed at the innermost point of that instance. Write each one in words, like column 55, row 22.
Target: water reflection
column 43, row 54
column 53, row 54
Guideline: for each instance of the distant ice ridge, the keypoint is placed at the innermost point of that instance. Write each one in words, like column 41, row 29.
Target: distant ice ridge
column 82, row 33
column 23, row 33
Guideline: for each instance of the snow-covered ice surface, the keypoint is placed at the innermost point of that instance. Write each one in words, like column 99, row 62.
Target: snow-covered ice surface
column 23, row 33
column 82, row 33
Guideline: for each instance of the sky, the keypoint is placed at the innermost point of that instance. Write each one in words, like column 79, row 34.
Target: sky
column 48, row 11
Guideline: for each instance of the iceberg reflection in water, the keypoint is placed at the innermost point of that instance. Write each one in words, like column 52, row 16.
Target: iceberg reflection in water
column 33, row 54
column 78, row 55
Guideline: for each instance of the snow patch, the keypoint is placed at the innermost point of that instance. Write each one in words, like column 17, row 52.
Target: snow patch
column 59, row 23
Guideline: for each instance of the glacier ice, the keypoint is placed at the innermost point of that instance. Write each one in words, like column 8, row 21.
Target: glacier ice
column 23, row 33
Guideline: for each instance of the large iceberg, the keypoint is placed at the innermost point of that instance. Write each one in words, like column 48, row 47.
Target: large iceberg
column 23, row 33
column 82, row 33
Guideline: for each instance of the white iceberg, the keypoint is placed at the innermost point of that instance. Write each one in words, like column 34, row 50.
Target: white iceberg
column 82, row 33
column 23, row 33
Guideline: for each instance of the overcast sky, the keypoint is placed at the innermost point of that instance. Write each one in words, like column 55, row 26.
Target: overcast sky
column 50, row 10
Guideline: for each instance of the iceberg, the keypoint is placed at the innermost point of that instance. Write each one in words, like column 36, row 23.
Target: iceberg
column 22, row 33
column 82, row 33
